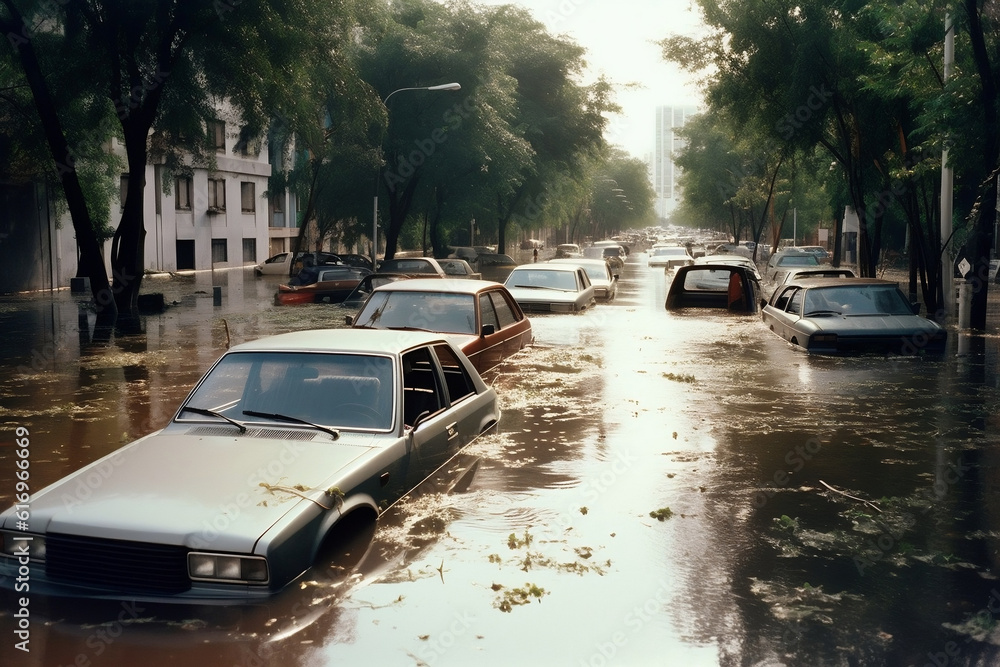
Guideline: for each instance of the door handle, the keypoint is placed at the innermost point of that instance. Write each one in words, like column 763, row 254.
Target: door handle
column 452, row 430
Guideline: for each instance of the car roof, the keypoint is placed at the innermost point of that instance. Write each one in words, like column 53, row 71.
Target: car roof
column 378, row 341
column 579, row 261
column 839, row 282
column 547, row 266
column 454, row 285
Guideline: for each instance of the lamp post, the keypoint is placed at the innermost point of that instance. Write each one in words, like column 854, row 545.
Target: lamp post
column 378, row 170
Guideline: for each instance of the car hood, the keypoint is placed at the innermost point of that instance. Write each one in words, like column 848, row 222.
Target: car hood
column 882, row 325
column 173, row 488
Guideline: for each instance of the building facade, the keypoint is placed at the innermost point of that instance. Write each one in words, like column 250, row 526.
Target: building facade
column 663, row 171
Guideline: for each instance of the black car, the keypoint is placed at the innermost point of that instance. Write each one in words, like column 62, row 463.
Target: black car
column 724, row 286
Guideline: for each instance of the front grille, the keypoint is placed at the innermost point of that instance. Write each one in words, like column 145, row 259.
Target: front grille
column 274, row 433
column 116, row 565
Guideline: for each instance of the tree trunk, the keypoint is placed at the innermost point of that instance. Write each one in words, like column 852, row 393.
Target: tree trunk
column 91, row 263
column 127, row 254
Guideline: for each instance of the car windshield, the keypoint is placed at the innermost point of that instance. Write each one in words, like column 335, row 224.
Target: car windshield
column 562, row 280
column 857, row 300
column 431, row 311
column 337, row 390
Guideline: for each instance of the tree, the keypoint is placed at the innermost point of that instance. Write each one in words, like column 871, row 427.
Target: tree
column 162, row 65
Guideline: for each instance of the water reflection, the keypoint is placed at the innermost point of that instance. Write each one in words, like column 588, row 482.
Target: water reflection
column 614, row 414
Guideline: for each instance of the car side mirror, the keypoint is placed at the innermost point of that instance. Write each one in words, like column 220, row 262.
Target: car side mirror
column 348, row 320
column 763, row 302
column 915, row 306
column 488, row 330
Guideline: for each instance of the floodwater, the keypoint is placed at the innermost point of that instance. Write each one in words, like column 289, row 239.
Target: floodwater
column 664, row 489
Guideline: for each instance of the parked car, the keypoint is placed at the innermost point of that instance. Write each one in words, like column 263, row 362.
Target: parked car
column 459, row 268
column 488, row 324
column 320, row 284
column 613, row 255
column 414, row 266
column 850, row 314
column 549, row 287
column 822, row 254
column 568, row 250
column 733, row 287
column 532, row 244
column 495, row 266
column 605, row 283
column 281, row 440
column 781, row 262
column 668, row 257
column 289, row 263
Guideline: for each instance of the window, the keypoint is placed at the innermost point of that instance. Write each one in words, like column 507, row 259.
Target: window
column 505, row 313
column 278, row 203
column 247, row 199
column 185, row 254
column 123, row 190
column 457, row 379
column 217, row 135
column 216, row 194
column 182, row 193
column 249, row 250
column 421, row 392
column 220, row 252
column 486, row 312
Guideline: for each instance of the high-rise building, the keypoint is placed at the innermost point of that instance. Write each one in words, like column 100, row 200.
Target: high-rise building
column 662, row 168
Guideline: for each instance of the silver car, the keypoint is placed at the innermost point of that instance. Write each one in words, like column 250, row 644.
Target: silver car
column 549, row 287
column 282, row 440
column 605, row 283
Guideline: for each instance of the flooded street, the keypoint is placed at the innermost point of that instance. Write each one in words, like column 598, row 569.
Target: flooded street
column 664, row 489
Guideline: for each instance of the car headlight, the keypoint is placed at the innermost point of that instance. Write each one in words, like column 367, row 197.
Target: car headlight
column 227, row 568
column 17, row 545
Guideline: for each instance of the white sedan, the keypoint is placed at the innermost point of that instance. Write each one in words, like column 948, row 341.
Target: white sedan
column 550, row 287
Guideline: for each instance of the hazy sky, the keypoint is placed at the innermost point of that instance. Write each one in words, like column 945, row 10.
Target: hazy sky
column 618, row 37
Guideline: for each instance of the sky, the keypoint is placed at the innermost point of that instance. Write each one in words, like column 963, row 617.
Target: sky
column 619, row 38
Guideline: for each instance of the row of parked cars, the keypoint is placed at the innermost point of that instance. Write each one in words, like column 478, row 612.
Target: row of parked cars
column 813, row 306
column 286, row 442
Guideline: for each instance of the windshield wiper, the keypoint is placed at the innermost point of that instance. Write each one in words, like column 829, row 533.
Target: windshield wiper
column 558, row 289
column 212, row 413
column 274, row 415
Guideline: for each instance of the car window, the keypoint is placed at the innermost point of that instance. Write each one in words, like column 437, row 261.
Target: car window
column 421, row 387
column 277, row 258
column 457, row 379
column 504, row 311
column 582, row 279
column 795, row 302
column 432, row 311
column 339, row 390
column 487, row 314
column 782, row 301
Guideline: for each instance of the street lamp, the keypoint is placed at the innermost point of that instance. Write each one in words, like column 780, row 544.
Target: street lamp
column 378, row 170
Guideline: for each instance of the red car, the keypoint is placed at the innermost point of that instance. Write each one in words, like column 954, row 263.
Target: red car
column 320, row 284
column 482, row 317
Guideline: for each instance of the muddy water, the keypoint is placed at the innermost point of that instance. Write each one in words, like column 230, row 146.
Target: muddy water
column 537, row 546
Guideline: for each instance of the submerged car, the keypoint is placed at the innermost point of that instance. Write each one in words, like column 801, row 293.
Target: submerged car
column 738, row 260
column 281, row 440
column 493, row 266
column 668, row 257
column 412, row 266
column 614, row 255
column 786, row 260
column 483, row 317
column 605, row 283
column 551, row 287
column 731, row 287
column 320, row 284
column 459, row 268
column 850, row 314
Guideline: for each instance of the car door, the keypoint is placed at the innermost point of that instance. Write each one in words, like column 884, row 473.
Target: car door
column 586, row 298
column 511, row 321
column 785, row 310
column 492, row 351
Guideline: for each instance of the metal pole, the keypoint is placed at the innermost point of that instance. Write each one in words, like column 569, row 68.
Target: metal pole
column 947, row 186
